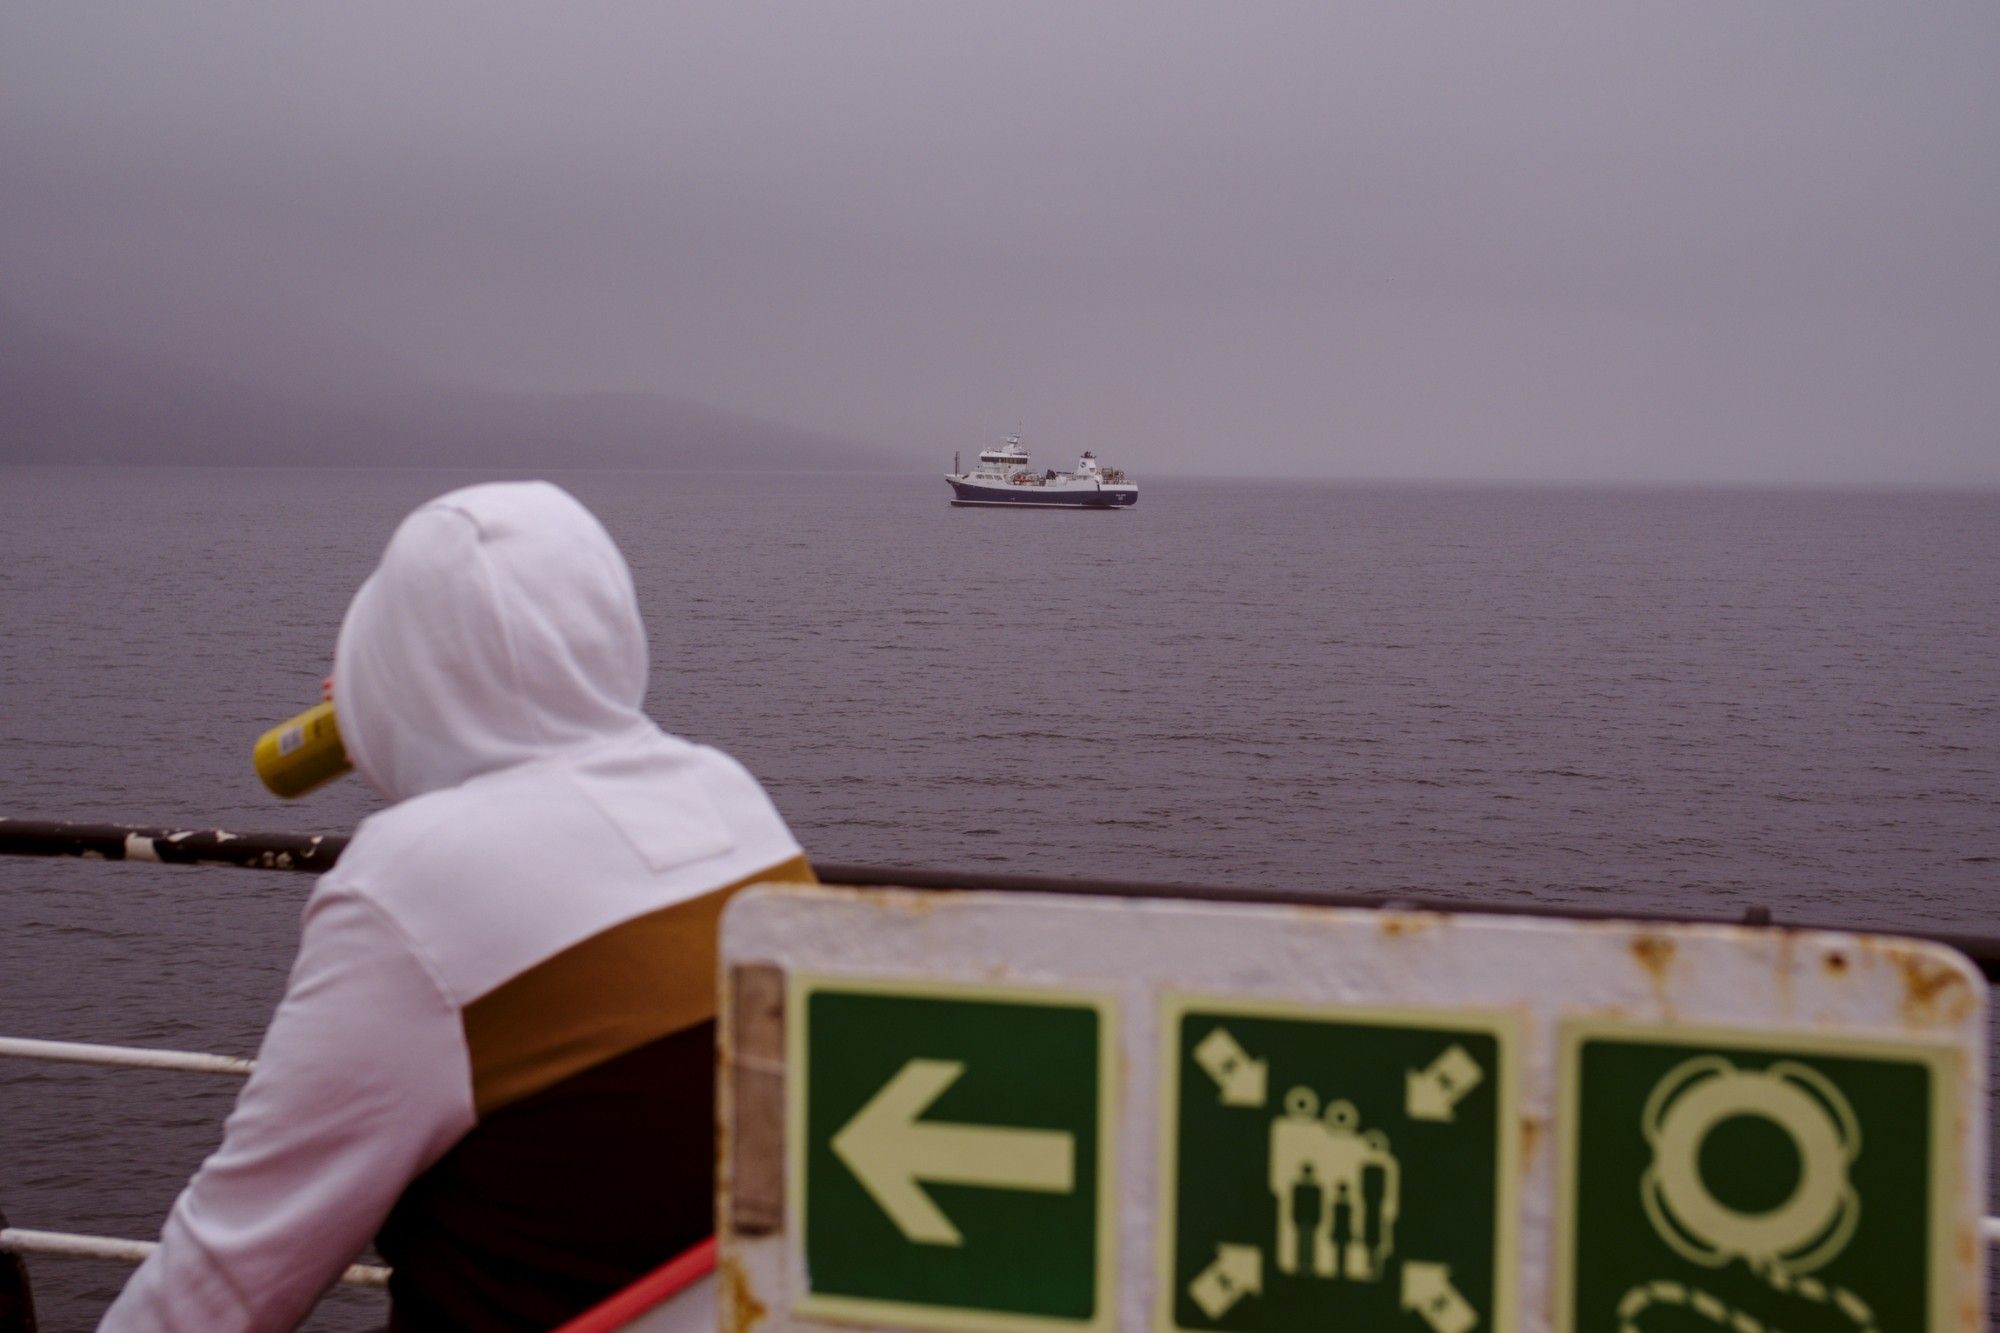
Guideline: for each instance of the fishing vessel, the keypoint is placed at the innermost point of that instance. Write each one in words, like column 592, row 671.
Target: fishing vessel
column 1004, row 477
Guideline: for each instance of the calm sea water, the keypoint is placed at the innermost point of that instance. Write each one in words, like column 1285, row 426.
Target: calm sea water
column 1697, row 700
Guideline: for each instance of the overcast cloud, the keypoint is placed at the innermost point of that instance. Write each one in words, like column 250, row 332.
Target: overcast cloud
column 1583, row 242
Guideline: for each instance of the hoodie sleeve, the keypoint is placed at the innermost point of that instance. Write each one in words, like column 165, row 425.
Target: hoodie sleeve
column 361, row 1084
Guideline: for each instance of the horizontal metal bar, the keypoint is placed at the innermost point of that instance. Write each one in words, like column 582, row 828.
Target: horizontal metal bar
column 314, row 853
column 72, row 1245
column 127, row 1057
column 120, row 842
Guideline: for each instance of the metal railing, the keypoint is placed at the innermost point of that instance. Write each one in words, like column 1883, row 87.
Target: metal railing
column 77, row 1245
column 124, row 1057
column 72, row 1245
column 315, row 853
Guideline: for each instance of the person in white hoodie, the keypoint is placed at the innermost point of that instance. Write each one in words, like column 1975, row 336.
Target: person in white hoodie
column 495, row 1053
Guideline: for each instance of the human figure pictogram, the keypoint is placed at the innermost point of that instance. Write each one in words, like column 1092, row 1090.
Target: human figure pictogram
column 1337, row 1190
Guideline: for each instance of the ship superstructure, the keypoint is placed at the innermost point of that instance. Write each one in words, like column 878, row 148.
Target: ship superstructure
column 1003, row 476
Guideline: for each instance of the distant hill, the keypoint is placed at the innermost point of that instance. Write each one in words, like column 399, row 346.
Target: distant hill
column 65, row 399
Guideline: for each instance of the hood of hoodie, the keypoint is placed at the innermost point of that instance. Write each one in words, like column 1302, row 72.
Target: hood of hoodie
column 500, row 627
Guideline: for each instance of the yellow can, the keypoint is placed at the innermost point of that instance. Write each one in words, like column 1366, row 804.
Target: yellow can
column 301, row 753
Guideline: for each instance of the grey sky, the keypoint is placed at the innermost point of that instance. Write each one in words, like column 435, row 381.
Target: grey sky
column 1674, row 241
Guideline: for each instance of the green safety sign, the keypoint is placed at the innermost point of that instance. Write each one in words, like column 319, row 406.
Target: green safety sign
column 950, row 1154
column 1336, row 1168
column 1755, row 1182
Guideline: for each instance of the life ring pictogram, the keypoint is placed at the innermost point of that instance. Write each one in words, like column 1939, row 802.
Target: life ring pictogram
column 1817, row 1219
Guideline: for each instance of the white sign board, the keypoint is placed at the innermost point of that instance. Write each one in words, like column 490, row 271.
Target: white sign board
column 1014, row 1111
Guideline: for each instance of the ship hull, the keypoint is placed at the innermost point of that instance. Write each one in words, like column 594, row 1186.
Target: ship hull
column 1008, row 496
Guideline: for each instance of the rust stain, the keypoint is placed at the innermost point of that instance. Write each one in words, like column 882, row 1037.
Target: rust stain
column 1971, row 1247
column 1835, row 963
column 1932, row 991
column 1400, row 925
column 1534, row 1133
column 905, row 902
column 741, row 1310
column 1785, row 967
column 1655, row 955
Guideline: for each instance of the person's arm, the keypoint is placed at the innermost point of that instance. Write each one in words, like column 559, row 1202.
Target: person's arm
column 360, row 1085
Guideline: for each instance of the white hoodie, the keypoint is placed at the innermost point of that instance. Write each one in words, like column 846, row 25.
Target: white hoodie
column 488, row 678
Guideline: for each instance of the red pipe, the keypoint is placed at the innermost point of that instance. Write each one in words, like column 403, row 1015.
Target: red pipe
column 648, row 1293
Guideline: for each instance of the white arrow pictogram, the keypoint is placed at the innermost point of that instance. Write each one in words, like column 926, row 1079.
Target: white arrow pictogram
column 1241, row 1079
column 1433, row 1093
column 890, row 1151
column 1427, row 1289
column 1238, row 1271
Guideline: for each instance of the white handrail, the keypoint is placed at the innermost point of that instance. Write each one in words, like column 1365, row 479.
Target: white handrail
column 128, row 1057
column 71, row 1245
column 74, row 1245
